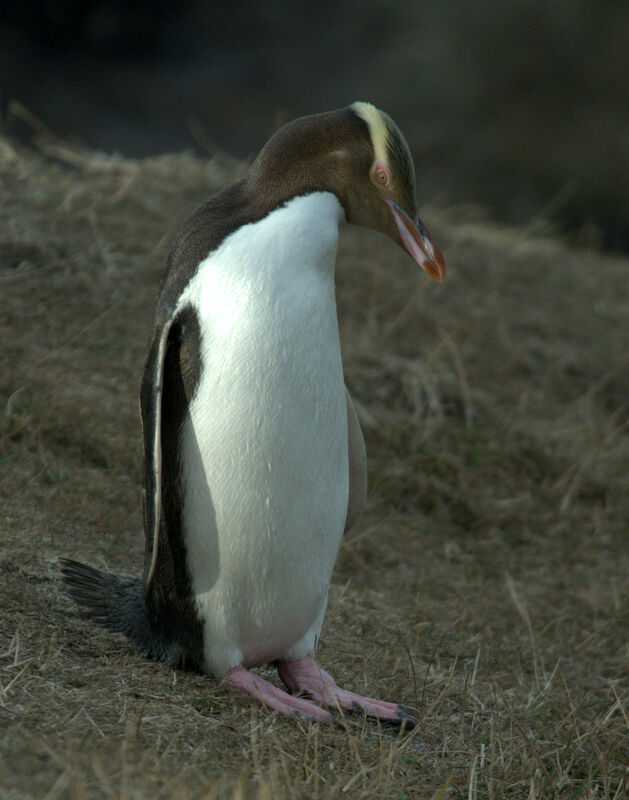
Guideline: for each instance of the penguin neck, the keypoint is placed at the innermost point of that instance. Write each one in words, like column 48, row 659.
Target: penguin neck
column 297, row 237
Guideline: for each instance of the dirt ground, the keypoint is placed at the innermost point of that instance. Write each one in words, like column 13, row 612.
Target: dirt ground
column 487, row 583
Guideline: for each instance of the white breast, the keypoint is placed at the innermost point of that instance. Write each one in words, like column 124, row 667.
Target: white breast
column 264, row 448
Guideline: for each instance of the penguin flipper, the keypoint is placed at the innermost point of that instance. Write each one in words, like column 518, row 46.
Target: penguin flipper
column 151, row 411
column 357, row 466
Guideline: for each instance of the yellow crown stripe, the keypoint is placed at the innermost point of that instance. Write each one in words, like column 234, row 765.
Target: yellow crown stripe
column 377, row 129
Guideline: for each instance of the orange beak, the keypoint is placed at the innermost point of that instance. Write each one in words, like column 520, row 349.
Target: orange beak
column 418, row 242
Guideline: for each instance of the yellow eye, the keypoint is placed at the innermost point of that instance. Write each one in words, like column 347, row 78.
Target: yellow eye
column 380, row 176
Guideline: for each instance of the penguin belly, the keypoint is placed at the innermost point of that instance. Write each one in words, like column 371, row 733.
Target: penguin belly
column 264, row 448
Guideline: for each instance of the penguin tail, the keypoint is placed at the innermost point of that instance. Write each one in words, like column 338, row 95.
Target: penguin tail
column 115, row 602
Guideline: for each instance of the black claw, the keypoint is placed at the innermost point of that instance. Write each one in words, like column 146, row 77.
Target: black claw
column 406, row 717
column 409, row 711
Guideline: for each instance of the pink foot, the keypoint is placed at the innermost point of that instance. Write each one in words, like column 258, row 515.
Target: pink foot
column 307, row 677
column 242, row 681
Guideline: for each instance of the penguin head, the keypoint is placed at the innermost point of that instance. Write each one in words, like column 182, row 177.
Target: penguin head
column 383, row 197
column 360, row 155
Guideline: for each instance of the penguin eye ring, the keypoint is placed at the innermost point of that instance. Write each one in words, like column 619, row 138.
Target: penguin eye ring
column 380, row 176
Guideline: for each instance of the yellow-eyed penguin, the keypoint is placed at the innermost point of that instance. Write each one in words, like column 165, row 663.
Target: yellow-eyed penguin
column 254, row 462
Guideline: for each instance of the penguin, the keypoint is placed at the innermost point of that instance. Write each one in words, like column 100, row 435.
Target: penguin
column 254, row 460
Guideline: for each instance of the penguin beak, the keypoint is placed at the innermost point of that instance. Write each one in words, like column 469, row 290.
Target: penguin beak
column 418, row 242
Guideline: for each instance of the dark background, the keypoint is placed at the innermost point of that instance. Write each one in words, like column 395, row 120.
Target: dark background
column 520, row 105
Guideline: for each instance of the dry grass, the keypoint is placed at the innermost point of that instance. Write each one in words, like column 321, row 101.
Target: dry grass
column 487, row 582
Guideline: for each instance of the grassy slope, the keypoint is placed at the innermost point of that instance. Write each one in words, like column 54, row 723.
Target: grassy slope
column 487, row 582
